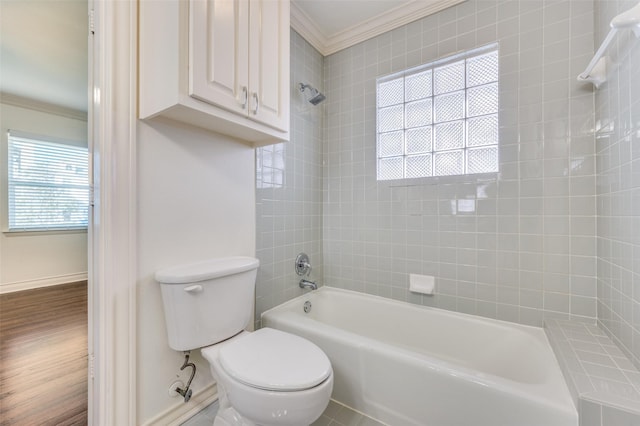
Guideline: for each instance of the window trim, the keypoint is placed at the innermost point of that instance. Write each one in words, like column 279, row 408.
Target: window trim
column 460, row 56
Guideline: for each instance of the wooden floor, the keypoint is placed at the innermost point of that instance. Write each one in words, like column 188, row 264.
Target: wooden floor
column 43, row 356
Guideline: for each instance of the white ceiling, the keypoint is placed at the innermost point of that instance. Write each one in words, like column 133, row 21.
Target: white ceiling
column 333, row 25
column 43, row 51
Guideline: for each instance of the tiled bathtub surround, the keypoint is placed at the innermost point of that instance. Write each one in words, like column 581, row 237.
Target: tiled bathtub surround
column 618, row 185
column 604, row 384
column 522, row 245
column 519, row 245
column 289, row 190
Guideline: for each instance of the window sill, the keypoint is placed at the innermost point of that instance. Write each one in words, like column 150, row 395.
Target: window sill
column 435, row 180
column 33, row 232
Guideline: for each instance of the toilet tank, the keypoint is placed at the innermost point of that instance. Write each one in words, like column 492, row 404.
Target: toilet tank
column 207, row 302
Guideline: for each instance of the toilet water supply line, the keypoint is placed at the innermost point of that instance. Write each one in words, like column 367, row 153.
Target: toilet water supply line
column 186, row 392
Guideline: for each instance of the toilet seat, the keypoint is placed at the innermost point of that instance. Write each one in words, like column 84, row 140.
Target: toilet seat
column 273, row 360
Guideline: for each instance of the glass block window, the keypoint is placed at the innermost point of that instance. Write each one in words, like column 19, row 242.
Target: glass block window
column 48, row 184
column 439, row 119
column 270, row 166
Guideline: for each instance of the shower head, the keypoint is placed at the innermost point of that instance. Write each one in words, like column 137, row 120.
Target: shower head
column 312, row 94
column 319, row 97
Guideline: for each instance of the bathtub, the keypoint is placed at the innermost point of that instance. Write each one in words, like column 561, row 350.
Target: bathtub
column 405, row 364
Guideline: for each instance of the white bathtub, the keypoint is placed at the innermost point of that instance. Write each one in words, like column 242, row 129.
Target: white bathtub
column 405, row 364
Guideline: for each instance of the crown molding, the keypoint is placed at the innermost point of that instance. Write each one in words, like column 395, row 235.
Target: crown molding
column 32, row 104
column 307, row 28
column 394, row 18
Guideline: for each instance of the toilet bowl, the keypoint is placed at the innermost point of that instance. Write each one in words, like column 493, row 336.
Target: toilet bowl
column 269, row 378
column 265, row 378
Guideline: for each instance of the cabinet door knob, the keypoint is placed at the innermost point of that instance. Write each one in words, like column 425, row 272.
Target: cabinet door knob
column 245, row 96
column 255, row 97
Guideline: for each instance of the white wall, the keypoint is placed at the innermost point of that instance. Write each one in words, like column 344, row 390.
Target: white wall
column 33, row 259
column 196, row 200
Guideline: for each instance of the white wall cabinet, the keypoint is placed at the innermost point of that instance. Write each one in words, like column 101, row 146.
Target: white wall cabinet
column 218, row 64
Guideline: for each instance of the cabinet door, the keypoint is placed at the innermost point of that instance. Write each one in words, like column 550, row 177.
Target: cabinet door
column 269, row 63
column 218, row 53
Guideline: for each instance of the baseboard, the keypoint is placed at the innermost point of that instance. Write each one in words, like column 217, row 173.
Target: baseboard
column 42, row 282
column 181, row 412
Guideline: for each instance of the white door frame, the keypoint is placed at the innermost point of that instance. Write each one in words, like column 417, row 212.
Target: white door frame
column 112, row 228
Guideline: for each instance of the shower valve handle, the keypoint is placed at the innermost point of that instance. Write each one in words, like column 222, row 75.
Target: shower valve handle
column 302, row 265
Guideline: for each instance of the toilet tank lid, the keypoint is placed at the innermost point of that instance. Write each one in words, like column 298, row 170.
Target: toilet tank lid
column 206, row 270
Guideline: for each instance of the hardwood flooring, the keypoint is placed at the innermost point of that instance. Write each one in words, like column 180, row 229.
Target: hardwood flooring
column 43, row 356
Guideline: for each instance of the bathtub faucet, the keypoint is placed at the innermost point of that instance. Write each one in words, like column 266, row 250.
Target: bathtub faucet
column 308, row 284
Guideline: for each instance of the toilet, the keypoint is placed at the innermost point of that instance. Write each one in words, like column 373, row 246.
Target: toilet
column 266, row 377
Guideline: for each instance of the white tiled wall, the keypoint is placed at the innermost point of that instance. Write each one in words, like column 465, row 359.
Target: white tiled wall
column 604, row 384
column 618, row 185
column 593, row 414
column 289, row 190
column 519, row 245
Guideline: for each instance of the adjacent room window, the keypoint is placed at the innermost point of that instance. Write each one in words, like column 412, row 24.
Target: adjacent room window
column 439, row 119
column 48, row 184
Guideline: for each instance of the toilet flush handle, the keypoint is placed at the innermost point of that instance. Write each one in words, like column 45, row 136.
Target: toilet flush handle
column 193, row 288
